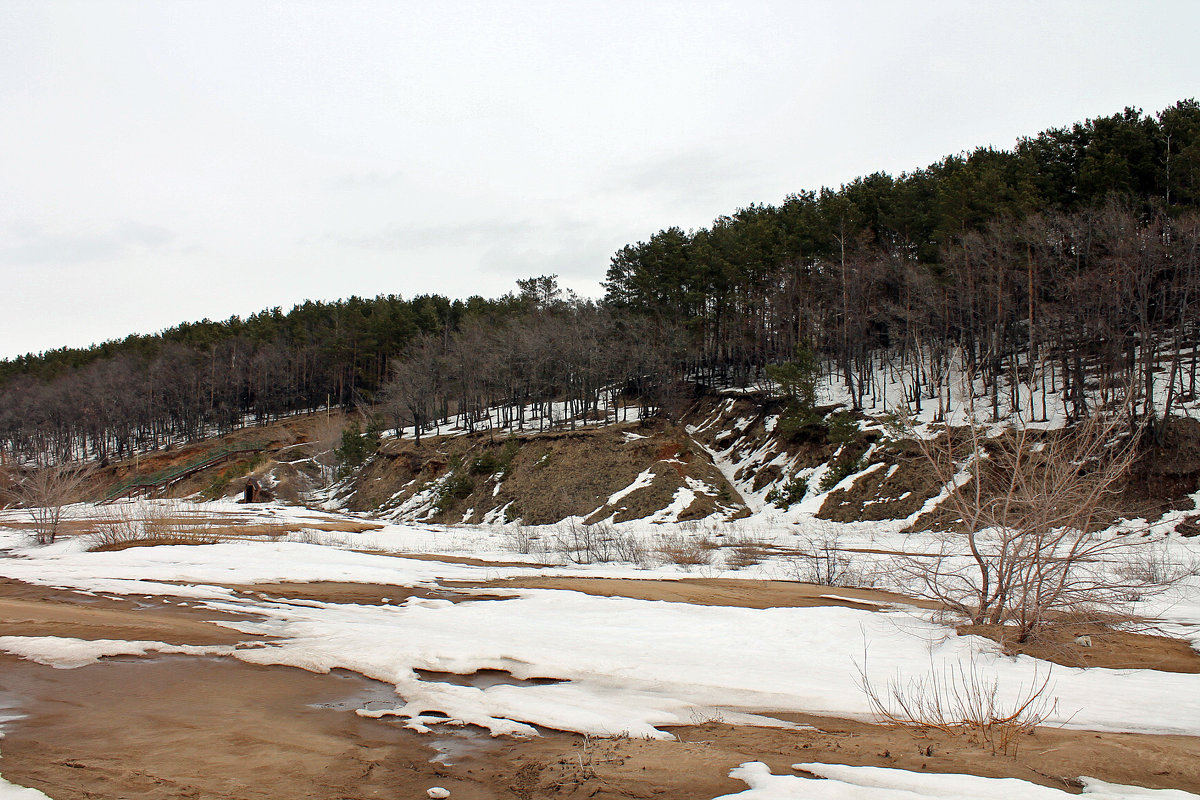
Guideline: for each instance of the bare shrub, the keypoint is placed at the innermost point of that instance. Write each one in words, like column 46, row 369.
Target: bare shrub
column 822, row 560
column 1151, row 564
column 46, row 490
column 596, row 543
column 684, row 550
column 744, row 551
column 524, row 539
column 320, row 538
column 149, row 524
column 628, row 547
column 576, row 542
column 960, row 699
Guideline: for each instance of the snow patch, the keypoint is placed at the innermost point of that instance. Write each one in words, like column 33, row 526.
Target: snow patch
column 881, row 783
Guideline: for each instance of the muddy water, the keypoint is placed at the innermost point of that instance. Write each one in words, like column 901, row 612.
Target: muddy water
column 363, row 693
column 175, row 726
column 11, row 705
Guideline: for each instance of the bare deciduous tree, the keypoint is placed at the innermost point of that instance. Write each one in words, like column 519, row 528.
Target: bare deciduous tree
column 326, row 436
column 46, row 490
column 1027, row 549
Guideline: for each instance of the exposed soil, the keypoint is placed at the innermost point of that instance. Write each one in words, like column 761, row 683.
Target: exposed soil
column 560, row 473
column 365, row 594
column 272, row 437
column 453, row 559
column 27, row 610
column 191, row 727
column 198, row 728
column 1166, row 474
column 717, row 592
column 541, row 478
column 895, row 491
column 176, row 727
column 1114, row 649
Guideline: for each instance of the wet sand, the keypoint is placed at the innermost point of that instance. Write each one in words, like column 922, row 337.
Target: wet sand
column 202, row 727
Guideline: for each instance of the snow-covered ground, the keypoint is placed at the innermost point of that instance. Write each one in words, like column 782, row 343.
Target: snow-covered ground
column 880, row 783
column 623, row 666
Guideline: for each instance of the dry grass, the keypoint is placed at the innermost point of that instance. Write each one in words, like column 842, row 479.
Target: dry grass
column 150, row 524
column 147, row 524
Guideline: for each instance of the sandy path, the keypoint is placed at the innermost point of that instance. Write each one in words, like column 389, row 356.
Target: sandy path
column 715, row 592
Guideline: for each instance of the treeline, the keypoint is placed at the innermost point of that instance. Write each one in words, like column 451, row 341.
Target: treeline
column 535, row 358
column 1070, row 258
column 206, row 378
column 1076, row 248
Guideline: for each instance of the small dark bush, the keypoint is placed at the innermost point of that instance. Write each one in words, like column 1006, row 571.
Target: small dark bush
column 841, row 427
column 456, row 487
column 789, row 493
column 840, row 469
column 495, row 463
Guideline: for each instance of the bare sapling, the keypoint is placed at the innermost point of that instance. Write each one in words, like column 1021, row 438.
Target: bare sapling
column 326, row 436
column 47, row 489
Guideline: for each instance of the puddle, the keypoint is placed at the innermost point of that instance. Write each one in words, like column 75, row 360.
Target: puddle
column 456, row 744
column 371, row 695
column 10, row 710
column 452, row 743
column 484, row 678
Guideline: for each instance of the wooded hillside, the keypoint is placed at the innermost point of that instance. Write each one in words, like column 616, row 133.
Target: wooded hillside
column 1070, row 258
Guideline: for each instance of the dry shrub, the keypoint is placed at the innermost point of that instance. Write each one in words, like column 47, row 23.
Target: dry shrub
column 684, row 550
column 822, row 560
column 596, row 543
column 525, row 539
column 149, row 524
column 1151, row 564
column 46, row 489
column 745, row 551
column 960, row 699
column 317, row 537
column 1030, row 508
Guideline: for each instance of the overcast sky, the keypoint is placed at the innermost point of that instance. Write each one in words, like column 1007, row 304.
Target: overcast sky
column 170, row 161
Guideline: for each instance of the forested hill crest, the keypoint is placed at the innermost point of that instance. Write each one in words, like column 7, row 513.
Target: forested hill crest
column 1073, row 255
column 1077, row 247
column 388, row 320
